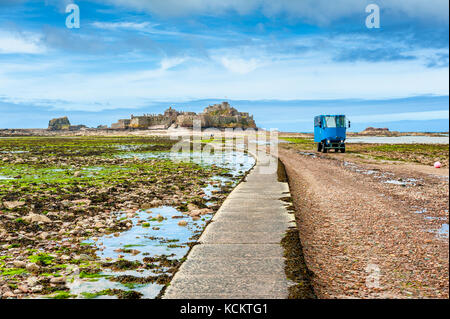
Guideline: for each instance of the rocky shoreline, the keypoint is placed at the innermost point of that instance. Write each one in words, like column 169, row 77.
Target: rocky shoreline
column 57, row 192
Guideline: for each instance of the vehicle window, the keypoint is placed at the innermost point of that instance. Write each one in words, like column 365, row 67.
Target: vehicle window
column 317, row 121
column 330, row 121
column 340, row 121
column 334, row 121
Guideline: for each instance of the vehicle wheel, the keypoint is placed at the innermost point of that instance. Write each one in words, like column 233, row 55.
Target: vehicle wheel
column 324, row 150
column 343, row 150
column 319, row 147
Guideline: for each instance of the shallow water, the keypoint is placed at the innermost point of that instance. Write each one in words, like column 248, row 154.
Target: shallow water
column 163, row 236
column 5, row 177
column 443, row 231
column 409, row 181
column 400, row 139
column 237, row 162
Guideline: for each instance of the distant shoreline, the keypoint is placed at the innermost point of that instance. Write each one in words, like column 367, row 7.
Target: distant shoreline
column 138, row 132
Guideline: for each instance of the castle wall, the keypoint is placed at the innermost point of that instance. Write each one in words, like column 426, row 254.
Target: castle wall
column 218, row 115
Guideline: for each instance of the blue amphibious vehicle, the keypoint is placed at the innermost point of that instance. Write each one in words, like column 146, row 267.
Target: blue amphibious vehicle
column 330, row 132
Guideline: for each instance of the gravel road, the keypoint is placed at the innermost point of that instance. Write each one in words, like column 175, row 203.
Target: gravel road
column 371, row 230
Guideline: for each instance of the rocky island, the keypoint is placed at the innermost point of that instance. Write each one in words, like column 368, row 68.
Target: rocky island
column 218, row 116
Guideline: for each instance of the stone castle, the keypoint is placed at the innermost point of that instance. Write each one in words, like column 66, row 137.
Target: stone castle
column 217, row 116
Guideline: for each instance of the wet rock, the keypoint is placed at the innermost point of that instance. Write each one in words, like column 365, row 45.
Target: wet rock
column 8, row 294
column 19, row 264
column 37, row 289
column 23, row 289
column 156, row 202
column 12, row 205
column 32, row 281
column 194, row 213
column 192, row 207
column 44, row 235
column 32, row 218
column 99, row 225
column 182, row 223
column 32, row 267
column 200, row 212
column 83, row 257
column 82, row 202
column 58, row 280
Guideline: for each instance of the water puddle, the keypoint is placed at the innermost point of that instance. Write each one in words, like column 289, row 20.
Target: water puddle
column 13, row 152
column 402, row 182
column 313, row 155
column 443, row 231
column 384, row 177
column 131, row 147
column 5, row 178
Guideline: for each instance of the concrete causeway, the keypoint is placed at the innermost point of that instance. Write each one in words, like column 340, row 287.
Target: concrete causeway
column 240, row 255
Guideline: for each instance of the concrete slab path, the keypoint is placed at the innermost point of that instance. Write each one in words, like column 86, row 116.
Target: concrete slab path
column 240, row 253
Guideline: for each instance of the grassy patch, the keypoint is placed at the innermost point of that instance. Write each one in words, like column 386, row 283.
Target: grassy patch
column 417, row 153
column 41, row 259
column 84, row 274
column 61, row 295
column 298, row 143
column 13, row 272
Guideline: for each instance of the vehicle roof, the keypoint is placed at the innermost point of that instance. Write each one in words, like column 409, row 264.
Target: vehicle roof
column 331, row 115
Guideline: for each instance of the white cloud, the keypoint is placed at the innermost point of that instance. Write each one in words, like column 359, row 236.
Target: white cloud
column 169, row 63
column 123, row 25
column 27, row 43
column 314, row 11
column 300, row 68
column 240, row 66
column 179, row 79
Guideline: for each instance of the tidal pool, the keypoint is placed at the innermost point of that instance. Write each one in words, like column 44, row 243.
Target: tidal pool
column 156, row 233
column 148, row 237
column 237, row 162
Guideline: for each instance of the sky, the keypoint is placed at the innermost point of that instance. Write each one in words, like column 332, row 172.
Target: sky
column 283, row 61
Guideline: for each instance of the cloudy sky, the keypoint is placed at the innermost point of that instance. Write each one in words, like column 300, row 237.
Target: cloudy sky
column 284, row 61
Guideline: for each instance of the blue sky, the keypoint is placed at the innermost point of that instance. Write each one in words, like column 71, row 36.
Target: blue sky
column 284, row 61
